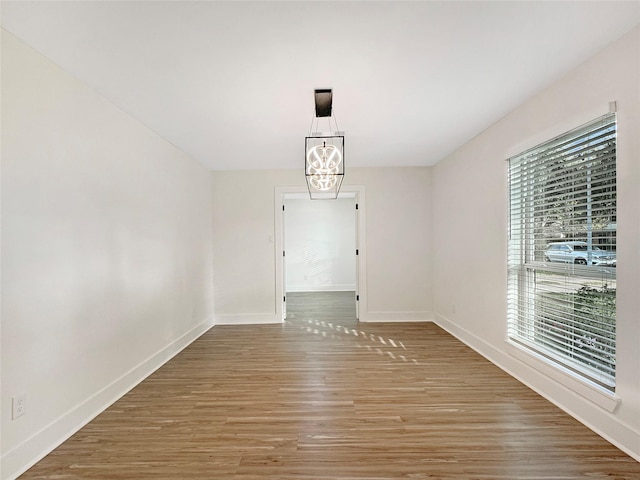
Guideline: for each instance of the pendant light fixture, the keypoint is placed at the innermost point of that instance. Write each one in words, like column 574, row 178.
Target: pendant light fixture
column 324, row 151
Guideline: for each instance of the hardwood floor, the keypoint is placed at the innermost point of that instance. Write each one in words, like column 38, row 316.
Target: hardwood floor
column 323, row 397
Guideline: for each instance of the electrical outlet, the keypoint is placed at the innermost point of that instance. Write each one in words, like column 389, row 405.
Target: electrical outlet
column 18, row 405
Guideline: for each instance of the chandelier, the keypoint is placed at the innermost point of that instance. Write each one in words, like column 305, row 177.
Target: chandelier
column 324, row 152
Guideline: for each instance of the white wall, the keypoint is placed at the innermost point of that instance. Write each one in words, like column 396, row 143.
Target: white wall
column 106, row 253
column 470, row 235
column 320, row 245
column 399, row 255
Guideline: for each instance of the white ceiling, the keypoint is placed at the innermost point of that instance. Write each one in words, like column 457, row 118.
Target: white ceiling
column 231, row 83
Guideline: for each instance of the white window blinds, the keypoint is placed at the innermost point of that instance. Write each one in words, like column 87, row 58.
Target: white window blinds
column 562, row 250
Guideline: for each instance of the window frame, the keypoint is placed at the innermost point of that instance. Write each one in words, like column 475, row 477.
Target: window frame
column 521, row 272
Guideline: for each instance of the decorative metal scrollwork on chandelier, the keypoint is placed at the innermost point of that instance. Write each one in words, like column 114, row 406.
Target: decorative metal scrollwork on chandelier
column 324, row 152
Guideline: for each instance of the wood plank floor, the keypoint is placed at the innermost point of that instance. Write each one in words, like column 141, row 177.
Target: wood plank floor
column 323, row 397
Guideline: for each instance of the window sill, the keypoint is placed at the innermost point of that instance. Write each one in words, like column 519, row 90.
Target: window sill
column 596, row 394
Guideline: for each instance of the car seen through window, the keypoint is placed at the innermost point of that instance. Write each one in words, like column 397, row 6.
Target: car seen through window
column 578, row 253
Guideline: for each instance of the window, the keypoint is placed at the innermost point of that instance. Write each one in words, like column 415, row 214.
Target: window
column 562, row 251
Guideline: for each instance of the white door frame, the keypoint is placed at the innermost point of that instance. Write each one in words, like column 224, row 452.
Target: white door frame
column 361, row 258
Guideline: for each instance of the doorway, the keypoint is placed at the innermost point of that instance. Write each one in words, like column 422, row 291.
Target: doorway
column 321, row 244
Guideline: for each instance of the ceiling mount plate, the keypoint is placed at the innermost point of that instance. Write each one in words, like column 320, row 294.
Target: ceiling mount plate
column 324, row 99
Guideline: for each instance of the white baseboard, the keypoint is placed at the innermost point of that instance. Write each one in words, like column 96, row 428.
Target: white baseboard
column 623, row 436
column 247, row 319
column 321, row 288
column 19, row 459
column 370, row 317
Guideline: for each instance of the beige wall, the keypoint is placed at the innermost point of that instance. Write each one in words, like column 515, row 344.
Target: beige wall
column 398, row 262
column 106, row 253
column 470, row 235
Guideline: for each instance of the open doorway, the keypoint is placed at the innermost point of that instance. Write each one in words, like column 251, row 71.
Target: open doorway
column 320, row 245
column 320, row 242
